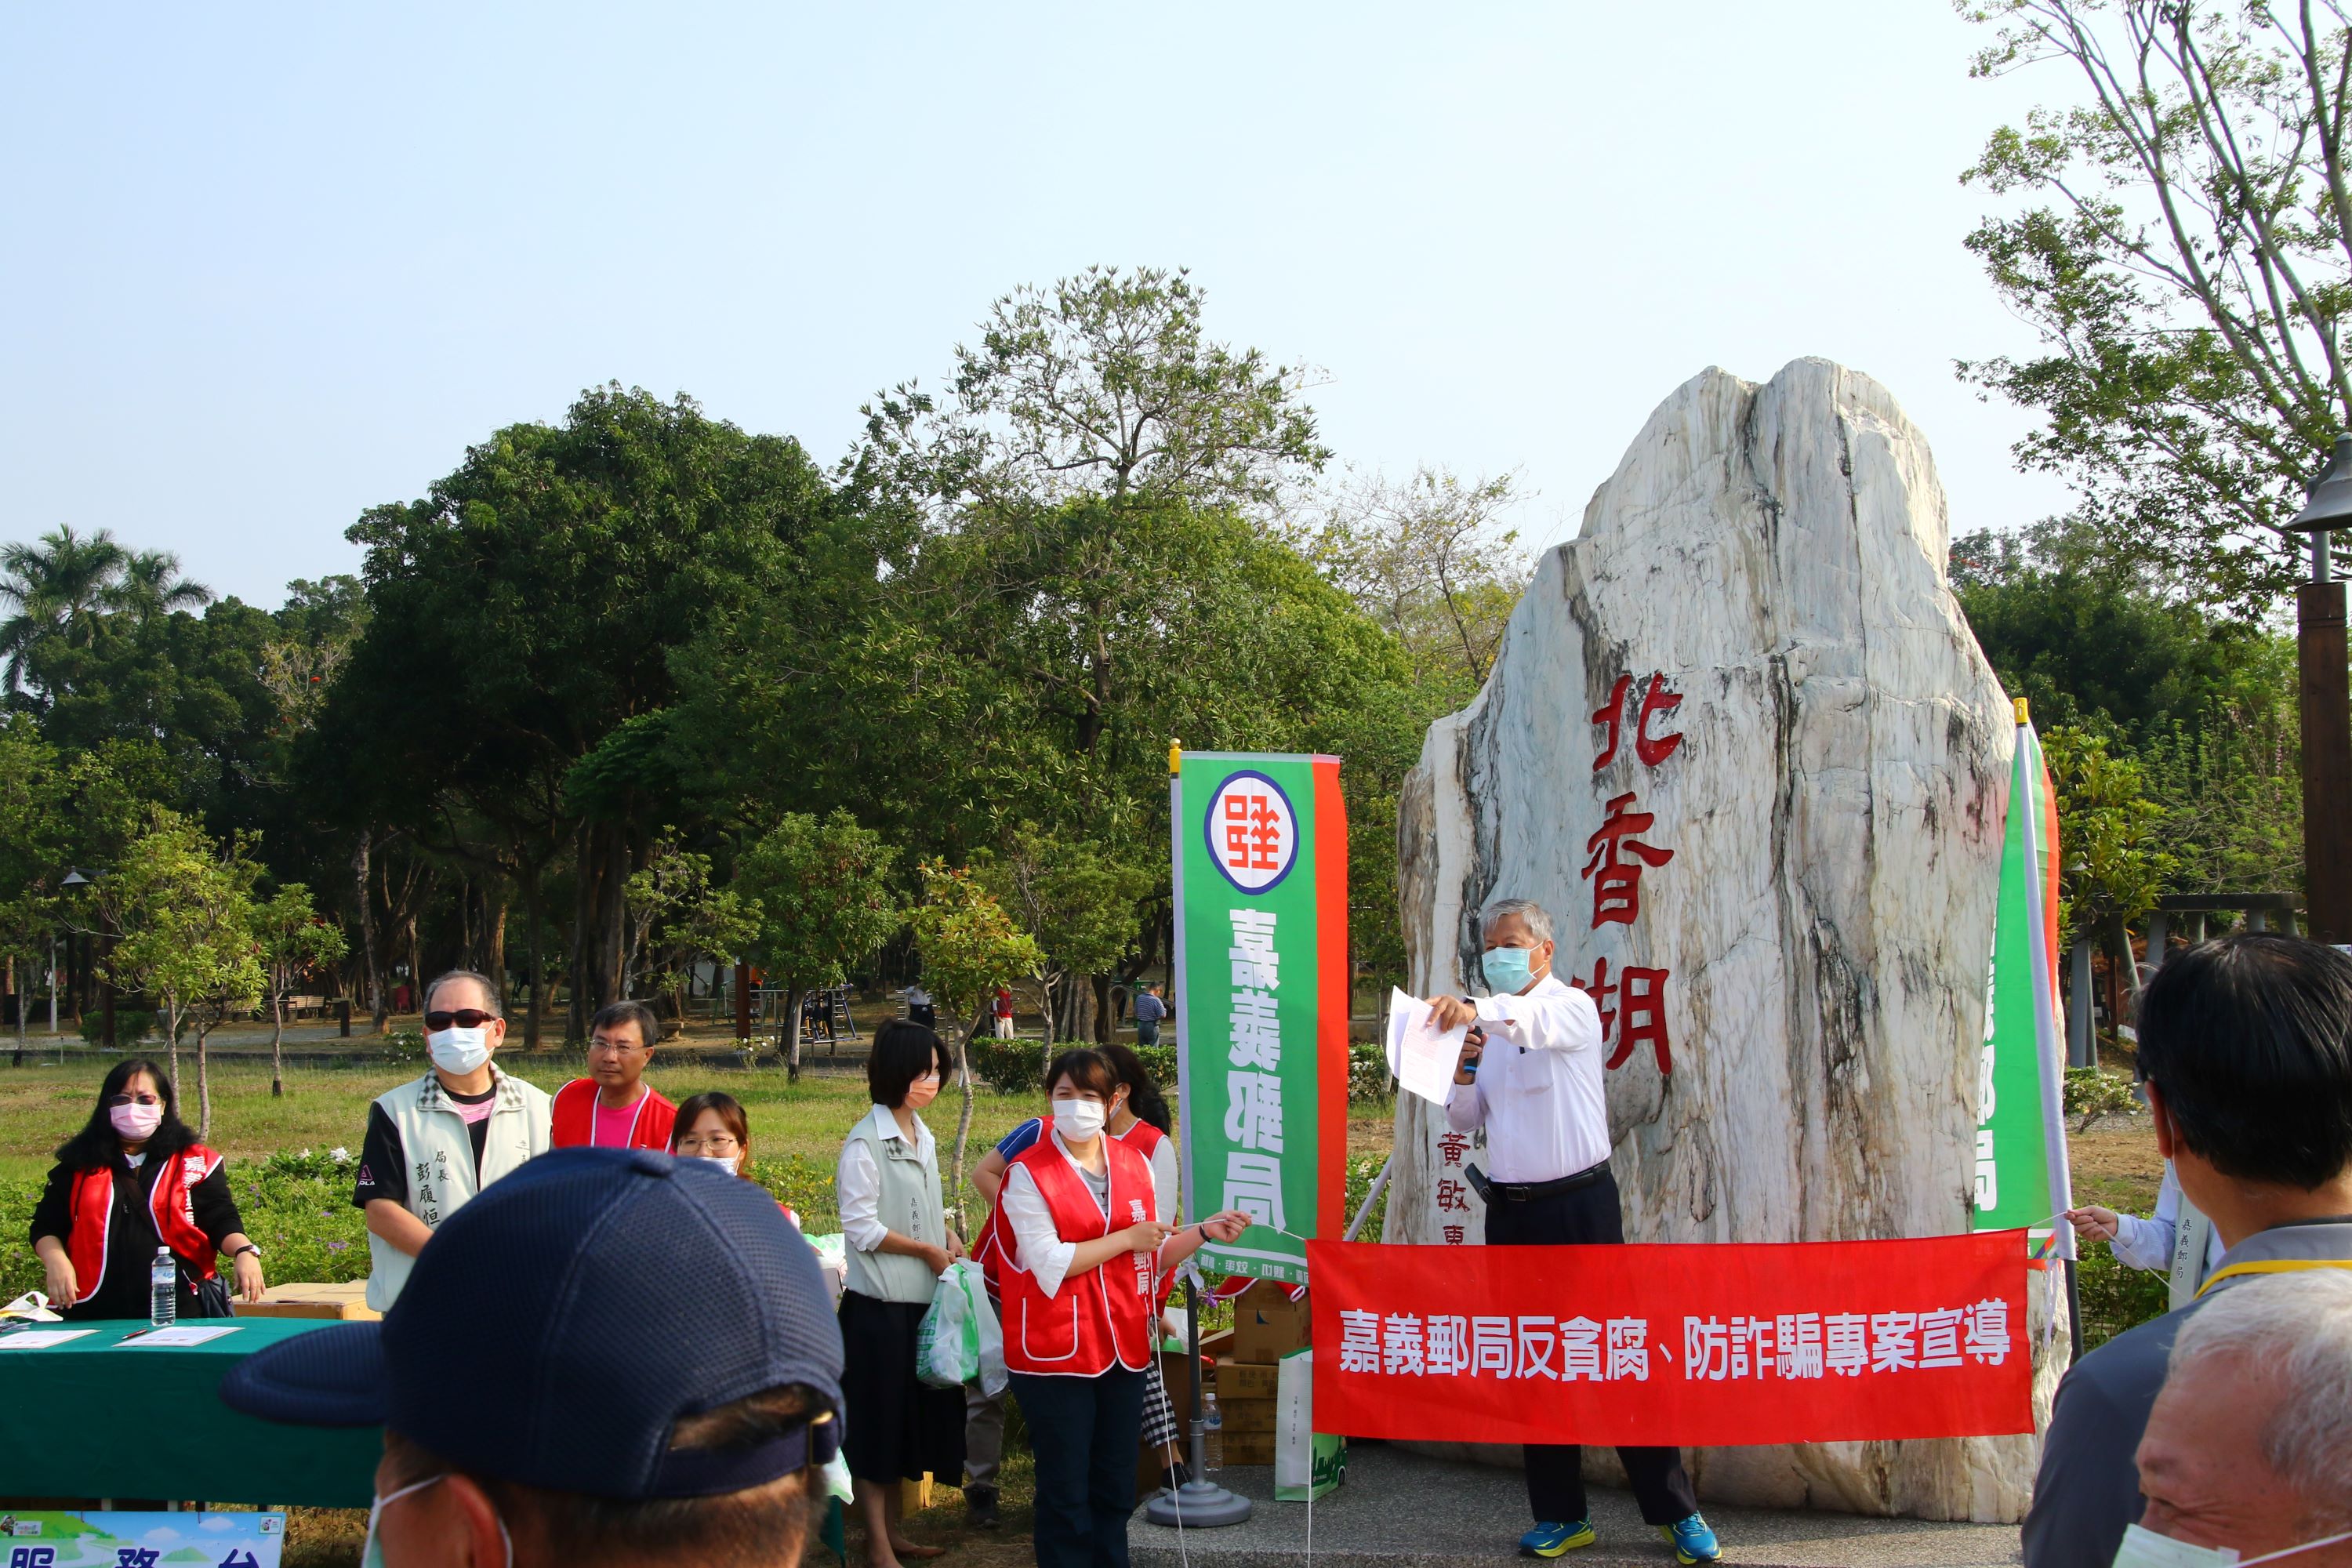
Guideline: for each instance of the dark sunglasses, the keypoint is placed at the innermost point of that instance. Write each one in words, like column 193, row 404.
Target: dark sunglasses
column 463, row 1019
column 114, row 1099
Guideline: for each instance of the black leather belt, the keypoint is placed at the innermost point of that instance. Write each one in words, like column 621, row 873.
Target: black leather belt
column 1527, row 1192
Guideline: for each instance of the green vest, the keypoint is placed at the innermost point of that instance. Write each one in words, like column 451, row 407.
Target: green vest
column 910, row 1204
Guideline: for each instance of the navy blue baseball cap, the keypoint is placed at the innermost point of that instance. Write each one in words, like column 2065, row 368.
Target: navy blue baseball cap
column 557, row 1328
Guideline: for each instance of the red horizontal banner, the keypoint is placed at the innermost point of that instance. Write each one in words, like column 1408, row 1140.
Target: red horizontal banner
column 1724, row 1343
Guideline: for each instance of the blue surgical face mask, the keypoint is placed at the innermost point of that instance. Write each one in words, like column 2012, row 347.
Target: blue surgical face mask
column 1507, row 969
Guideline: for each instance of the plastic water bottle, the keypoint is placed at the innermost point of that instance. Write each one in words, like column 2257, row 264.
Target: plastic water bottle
column 164, row 1289
column 1213, row 1431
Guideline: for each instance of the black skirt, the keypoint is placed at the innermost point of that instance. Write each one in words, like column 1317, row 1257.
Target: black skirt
column 893, row 1425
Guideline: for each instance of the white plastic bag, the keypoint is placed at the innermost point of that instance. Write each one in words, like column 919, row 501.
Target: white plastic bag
column 959, row 1341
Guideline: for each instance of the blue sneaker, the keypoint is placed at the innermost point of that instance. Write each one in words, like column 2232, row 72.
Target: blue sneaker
column 1549, row 1539
column 1693, row 1540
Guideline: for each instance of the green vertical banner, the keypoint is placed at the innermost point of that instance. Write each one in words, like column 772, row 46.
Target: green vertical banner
column 2022, row 1174
column 1259, row 844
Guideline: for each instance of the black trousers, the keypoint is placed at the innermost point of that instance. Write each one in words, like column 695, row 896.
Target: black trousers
column 1588, row 1216
column 1085, row 1431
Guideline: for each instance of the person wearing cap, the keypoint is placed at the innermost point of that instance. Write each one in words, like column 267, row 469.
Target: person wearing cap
column 898, row 1244
column 515, row 1438
column 432, row 1145
column 613, row 1107
column 1078, row 1253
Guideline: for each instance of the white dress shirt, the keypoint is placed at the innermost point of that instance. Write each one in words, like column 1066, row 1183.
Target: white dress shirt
column 1037, row 1241
column 2148, row 1243
column 1538, row 1091
column 858, row 1185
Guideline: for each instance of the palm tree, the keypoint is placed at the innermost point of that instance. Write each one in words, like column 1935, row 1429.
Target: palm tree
column 58, row 588
column 151, row 584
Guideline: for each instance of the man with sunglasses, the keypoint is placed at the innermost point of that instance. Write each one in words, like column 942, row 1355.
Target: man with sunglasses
column 433, row 1144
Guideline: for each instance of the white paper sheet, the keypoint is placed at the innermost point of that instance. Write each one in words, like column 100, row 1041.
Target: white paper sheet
column 40, row 1339
column 178, row 1334
column 1421, row 1055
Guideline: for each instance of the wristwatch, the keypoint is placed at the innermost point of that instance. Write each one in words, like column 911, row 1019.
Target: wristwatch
column 241, row 1251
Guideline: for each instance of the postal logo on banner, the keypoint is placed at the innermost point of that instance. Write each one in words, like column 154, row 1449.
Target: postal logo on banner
column 1253, row 832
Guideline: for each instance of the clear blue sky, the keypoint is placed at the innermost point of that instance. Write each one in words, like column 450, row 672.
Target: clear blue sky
column 267, row 266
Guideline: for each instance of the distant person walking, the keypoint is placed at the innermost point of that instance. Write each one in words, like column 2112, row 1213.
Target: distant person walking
column 613, row 1107
column 919, row 1009
column 433, row 1144
column 133, row 1179
column 1004, row 1014
column 1148, row 1010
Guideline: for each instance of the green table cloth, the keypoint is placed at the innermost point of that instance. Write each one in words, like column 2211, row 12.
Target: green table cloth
column 87, row 1419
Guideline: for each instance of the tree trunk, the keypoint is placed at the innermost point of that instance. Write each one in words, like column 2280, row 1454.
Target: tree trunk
column 964, row 1118
column 793, row 997
column 23, row 1003
column 583, row 913
column 530, row 897
column 495, row 941
column 363, row 884
column 277, row 1039
column 1106, row 1021
column 204, row 1087
column 172, row 1035
column 2121, row 938
column 613, row 919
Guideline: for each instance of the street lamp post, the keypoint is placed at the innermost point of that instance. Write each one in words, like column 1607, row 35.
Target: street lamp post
column 2326, row 707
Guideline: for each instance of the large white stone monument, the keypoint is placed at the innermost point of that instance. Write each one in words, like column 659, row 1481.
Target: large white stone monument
column 1739, row 741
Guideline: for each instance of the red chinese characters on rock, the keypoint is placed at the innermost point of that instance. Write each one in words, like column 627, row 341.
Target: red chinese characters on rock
column 1658, row 700
column 1632, row 1006
column 1640, row 996
column 1617, row 886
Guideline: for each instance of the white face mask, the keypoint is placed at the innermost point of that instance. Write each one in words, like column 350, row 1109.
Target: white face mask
column 459, row 1051
column 1080, row 1119
column 372, row 1553
column 2142, row 1548
column 730, row 1163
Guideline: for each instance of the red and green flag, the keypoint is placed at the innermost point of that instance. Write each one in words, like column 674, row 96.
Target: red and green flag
column 1260, row 854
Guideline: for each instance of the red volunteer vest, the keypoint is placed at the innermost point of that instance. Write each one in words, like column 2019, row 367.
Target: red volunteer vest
column 574, row 1118
column 176, row 1216
column 1098, row 1318
column 1143, row 1137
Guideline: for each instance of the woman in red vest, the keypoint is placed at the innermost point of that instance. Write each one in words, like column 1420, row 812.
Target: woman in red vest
column 1077, row 1250
column 134, row 1179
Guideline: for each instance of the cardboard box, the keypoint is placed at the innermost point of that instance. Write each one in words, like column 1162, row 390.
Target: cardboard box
column 1245, row 1380
column 347, row 1301
column 1246, row 1414
column 1249, row 1448
column 1267, row 1324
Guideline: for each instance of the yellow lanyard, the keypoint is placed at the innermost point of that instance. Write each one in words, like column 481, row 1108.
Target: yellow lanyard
column 2282, row 1266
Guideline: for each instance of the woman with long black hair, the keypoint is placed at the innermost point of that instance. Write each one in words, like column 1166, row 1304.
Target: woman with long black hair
column 133, row 1179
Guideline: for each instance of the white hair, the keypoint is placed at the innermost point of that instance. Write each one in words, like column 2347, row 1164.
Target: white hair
column 1538, row 919
column 2296, row 1327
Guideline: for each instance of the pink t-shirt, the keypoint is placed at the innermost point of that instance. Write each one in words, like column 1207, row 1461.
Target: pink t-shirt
column 476, row 1112
column 613, row 1125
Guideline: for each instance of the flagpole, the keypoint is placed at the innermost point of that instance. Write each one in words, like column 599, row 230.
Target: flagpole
column 1200, row 1503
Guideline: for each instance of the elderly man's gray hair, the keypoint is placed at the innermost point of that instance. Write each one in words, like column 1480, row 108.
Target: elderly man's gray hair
column 2298, row 1329
column 489, row 988
column 1538, row 918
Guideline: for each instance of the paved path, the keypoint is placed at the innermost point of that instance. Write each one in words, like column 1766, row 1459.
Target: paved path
column 1401, row 1511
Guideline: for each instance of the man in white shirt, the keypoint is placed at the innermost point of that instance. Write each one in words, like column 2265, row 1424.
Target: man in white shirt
column 1530, row 1075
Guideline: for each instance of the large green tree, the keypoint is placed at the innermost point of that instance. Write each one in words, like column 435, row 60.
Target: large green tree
column 524, row 611
column 823, row 888
column 2182, row 247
